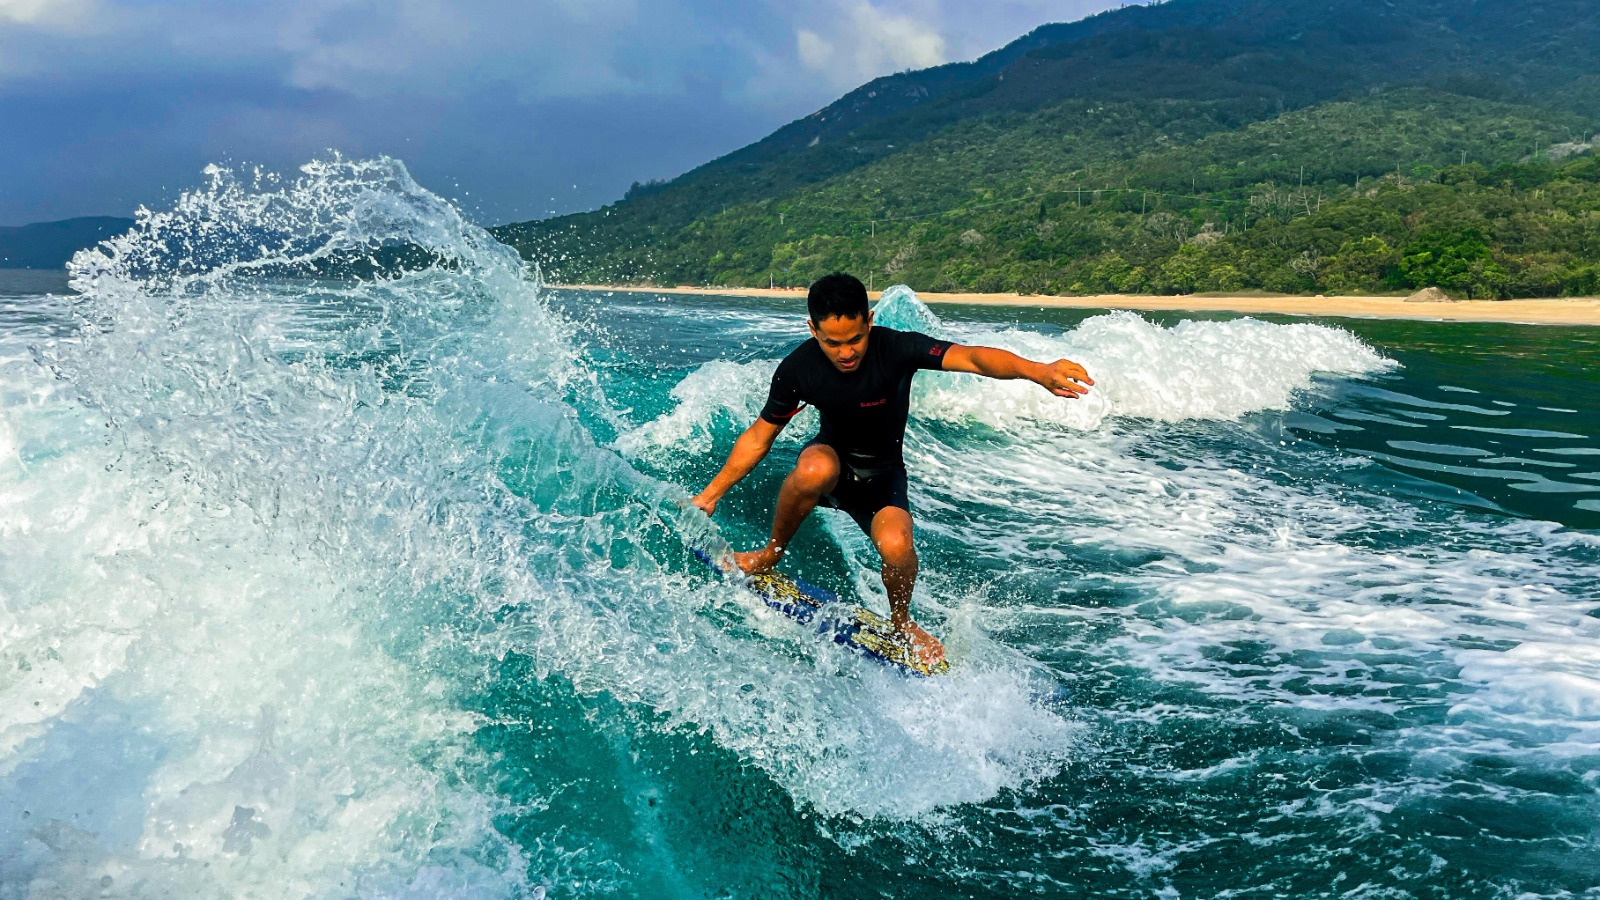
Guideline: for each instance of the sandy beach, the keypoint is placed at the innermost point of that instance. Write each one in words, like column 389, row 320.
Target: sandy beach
column 1562, row 311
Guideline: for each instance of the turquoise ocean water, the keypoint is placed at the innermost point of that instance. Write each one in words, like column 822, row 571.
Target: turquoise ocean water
column 382, row 587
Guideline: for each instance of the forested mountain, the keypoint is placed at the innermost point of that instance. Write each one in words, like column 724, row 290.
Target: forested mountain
column 1288, row 145
column 48, row 245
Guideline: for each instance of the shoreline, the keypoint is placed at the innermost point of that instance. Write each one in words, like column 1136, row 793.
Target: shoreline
column 1580, row 311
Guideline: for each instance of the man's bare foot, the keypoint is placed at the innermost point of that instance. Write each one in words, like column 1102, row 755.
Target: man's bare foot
column 755, row 562
column 924, row 645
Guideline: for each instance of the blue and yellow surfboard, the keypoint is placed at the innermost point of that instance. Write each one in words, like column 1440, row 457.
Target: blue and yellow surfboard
column 857, row 628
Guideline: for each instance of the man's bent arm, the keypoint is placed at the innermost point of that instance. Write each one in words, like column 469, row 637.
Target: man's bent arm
column 748, row 450
column 1064, row 378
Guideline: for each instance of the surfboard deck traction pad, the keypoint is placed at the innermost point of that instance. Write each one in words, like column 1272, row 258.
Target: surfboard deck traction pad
column 856, row 627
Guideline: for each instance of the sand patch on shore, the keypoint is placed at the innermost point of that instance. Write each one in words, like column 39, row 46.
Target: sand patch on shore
column 1558, row 311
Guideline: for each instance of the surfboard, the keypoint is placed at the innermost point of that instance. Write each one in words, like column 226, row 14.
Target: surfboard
column 857, row 628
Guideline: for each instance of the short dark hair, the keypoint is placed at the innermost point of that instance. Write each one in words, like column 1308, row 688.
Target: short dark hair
column 837, row 295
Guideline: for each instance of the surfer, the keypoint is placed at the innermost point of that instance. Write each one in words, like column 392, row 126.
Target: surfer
column 858, row 376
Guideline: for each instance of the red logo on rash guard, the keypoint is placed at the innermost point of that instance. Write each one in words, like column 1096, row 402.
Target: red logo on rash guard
column 875, row 403
column 935, row 351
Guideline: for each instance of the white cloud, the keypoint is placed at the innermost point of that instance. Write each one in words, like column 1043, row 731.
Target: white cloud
column 901, row 41
column 63, row 14
column 556, row 48
column 867, row 41
column 815, row 53
column 394, row 39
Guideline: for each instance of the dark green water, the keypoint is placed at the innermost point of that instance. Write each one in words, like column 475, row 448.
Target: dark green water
column 385, row 589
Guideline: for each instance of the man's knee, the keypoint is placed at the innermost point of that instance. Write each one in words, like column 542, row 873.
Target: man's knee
column 892, row 535
column 817, row 471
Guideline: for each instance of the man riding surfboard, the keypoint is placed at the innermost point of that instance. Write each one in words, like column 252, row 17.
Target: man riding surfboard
column 858, row 376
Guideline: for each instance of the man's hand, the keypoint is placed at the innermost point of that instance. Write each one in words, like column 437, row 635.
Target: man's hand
column 1065, row 378
column 749, row 449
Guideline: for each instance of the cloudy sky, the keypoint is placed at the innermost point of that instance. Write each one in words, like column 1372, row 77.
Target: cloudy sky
column 516, row 109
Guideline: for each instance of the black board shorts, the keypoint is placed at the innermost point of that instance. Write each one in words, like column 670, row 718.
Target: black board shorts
column 861, row 494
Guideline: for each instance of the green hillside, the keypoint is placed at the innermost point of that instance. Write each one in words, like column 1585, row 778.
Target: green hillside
column 1196, row 145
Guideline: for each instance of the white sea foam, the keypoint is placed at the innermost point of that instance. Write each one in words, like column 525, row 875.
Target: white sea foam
column 193, row 707
column 1554, row 681
column 9, row 453
column 1212, row 371
column 852, row 740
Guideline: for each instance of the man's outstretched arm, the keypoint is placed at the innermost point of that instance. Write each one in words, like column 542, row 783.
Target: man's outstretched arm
column 1064, row 378
column 748, row 450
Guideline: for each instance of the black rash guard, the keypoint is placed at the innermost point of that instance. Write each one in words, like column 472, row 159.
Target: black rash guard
column 863, row 412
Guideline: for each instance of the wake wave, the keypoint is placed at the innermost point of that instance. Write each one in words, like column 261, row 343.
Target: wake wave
column 311, row 470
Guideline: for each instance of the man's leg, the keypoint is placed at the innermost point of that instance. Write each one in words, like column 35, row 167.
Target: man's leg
column 892, row 534
column 814, row 475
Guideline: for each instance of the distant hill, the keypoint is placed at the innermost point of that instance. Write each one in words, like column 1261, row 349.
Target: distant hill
column 49, row 245
column 1187, row 124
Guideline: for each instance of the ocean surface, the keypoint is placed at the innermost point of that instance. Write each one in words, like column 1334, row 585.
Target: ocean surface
column 327, row 583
